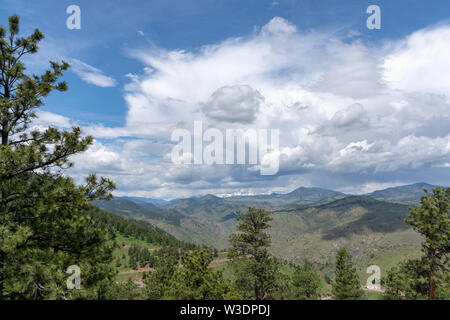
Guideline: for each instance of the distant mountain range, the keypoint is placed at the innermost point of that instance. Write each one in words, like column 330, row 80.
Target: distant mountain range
column 143, row 200
column 407, row 193
column 311, row 194
column 308, row 222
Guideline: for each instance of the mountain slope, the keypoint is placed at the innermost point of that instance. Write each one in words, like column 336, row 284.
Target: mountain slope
column 156, row 202
column 372, row 230
column 408, row 193
column 139, row 211
column 311, row 194
column 378, row 216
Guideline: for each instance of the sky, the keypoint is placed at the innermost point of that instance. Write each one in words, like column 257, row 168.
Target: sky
column 357, row 109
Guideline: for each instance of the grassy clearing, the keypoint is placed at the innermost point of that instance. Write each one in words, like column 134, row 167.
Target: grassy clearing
column 127, row 276
column 130, row 241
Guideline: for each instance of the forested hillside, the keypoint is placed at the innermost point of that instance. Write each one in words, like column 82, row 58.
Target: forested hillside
column 137, row 229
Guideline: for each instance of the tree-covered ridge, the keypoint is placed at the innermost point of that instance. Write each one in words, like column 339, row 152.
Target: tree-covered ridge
column 134, row 228
column 132, row 210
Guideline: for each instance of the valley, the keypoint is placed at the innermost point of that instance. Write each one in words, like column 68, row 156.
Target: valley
column 308, row 223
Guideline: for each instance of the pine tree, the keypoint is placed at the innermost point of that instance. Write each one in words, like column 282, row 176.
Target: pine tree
column 157, row 283
column 432, row 220
column 346, row 285
column 306, row 281
column 249, row 250
column 42, row 230
column 197, row 281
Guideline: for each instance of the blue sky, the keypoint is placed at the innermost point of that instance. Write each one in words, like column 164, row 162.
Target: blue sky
column 126, row 49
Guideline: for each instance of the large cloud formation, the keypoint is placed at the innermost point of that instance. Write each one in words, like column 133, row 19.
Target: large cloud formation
column 351, row 117
column 239, row 103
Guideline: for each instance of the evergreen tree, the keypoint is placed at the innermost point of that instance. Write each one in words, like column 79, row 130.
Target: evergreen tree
column 427, row 277
column 432, row 220
column 406, row 281
column 196, row 281
column 42, row 230
column 123, row 291
column 306, row 281
column 346, row 285
column 249, row 249
column 157, row 283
